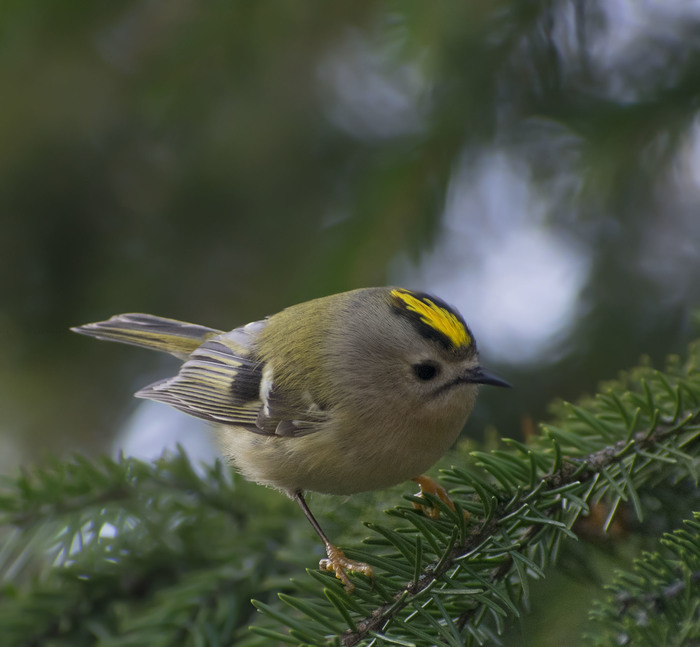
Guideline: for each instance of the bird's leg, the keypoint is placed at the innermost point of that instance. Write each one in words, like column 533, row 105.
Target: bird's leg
column 336, row 562
column 431, row 486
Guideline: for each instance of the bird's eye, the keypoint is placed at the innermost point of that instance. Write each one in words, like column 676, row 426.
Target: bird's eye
column 425, row 371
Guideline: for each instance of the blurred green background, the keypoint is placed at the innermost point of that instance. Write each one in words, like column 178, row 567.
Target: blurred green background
column 537, row 164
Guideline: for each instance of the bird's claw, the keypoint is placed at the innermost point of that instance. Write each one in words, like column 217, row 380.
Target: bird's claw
column 431, row 486
column 340, row 565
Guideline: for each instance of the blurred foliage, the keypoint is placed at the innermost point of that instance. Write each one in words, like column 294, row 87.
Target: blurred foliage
column 217, row 161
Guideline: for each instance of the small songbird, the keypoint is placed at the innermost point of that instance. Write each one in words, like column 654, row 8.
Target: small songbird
column 347, row 393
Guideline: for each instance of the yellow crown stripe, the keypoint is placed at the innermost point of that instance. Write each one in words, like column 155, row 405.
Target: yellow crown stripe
column 442, row 320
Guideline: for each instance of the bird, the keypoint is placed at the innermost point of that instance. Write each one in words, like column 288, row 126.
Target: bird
column 346, row 393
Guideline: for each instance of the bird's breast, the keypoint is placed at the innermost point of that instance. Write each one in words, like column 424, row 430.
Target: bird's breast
column 357, row 456
column 347, row 454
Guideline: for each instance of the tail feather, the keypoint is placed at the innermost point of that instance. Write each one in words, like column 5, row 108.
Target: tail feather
column 147, row 331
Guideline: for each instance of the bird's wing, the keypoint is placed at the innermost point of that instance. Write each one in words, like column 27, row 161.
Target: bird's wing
column 219, row 382
column 224, row 382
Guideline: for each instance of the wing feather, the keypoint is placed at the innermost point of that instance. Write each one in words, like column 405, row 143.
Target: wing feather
column 223, row 382
column 220, row 382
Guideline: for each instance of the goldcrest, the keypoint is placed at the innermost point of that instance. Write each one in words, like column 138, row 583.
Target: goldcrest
column 351, row 392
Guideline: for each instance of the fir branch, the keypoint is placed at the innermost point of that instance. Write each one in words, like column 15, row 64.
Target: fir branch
column 175, row 554
column 571, row 472
column 583, row 470
column 658, row 603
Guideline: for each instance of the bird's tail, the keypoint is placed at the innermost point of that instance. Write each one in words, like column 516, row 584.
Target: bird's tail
column 147, row 331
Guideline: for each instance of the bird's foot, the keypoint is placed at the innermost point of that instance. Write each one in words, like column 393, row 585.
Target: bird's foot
column 340, row 565
column 431, row 486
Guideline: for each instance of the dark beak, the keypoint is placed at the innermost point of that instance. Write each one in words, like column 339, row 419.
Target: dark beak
column 479, row 376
